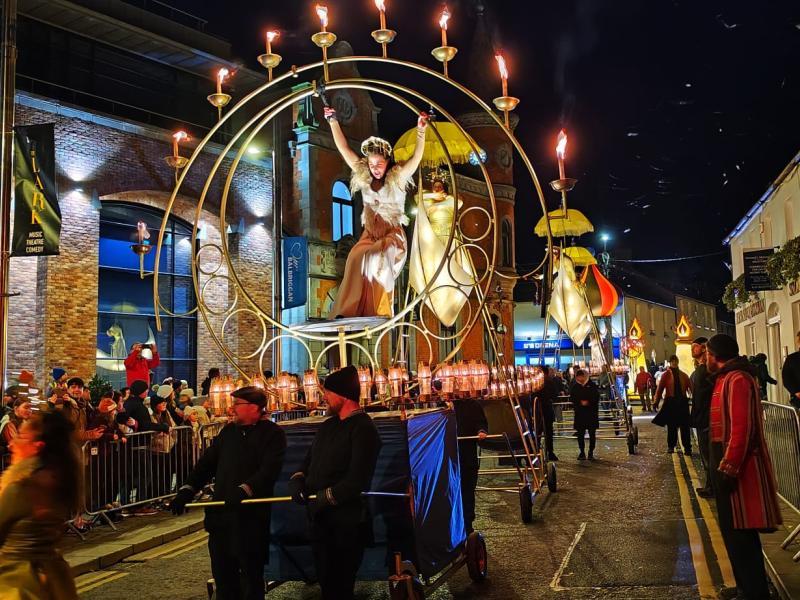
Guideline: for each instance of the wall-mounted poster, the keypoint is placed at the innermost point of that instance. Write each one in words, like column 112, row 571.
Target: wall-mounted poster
column 321, row 295
column 322, row 259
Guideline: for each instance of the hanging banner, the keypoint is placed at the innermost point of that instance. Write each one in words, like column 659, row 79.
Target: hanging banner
column 295, row 271
column 37, row 218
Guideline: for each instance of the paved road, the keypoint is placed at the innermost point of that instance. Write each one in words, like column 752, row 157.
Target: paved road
column 624, row 527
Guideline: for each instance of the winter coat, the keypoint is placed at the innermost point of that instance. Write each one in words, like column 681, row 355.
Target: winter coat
column 138, row 367
column 586, row 403
column 702, row 386
column 136, row 409
column 790, row 373
column 644, row 382
column 737, row 424
column 548, row 396
column 762, row 375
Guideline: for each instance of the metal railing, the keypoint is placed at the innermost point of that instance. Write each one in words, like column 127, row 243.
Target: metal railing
column 782, row 432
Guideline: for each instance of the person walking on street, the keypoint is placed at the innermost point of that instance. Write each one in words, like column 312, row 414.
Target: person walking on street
column 644, row 385
column 674, row 389
column 244, row 462
column 702, row 387
column 471, row 422
column 338, row 467
column 790, row 373
column 585, row 399
column 741, row 469
column 548, row 397
column 762, row 374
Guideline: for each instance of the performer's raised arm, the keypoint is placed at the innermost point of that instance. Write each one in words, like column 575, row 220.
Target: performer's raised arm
column 339, row 138
column 408, row 169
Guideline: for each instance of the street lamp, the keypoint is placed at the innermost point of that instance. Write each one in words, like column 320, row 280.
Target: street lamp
column 604, row 237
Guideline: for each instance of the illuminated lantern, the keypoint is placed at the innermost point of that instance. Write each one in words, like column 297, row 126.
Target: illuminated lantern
column 424, row 378
column 283, row 388
column 684, row 330
column 396, row 382
column 311, row 388
column 604, row 297
column 382, row 384
column 364, row 385
column 446, row 377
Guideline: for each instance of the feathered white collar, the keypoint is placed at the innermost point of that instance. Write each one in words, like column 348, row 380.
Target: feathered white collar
column 389, row 202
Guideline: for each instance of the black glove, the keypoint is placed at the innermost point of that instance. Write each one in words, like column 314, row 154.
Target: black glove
column 298, row 491
column 234, row 498
column 727, row 484
column 179, row 502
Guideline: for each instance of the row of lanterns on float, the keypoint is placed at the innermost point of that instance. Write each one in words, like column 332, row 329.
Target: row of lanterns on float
column 594, row 368
column 473, row 377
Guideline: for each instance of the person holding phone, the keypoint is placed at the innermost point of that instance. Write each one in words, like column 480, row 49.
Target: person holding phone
column 137, row 367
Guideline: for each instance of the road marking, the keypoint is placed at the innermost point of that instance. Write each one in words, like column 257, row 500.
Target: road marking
column 193, row 539
column 179, row 551
column 95, row 580
column 704, row 583
column 555, row 584
column 713, row 529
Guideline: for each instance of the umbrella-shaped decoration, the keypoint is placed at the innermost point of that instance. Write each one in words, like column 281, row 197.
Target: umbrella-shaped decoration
column 575, row 223
column 580, row 256
column 604, row 297
column 457, row 143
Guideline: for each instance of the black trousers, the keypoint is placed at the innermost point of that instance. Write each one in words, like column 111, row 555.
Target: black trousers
column 702, row 441
column 336, row 561
column 592, row 439
column 238, row 573
column 548, row 435
column 469, row 480
column 743, row 545
column 686, row 437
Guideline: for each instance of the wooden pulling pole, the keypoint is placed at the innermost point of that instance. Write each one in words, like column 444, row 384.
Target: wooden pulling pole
column 216, row 503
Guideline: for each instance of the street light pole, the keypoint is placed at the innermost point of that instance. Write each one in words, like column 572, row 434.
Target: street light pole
column 9, row 58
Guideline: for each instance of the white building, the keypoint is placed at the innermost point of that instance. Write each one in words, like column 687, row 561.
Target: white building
column 768, row 323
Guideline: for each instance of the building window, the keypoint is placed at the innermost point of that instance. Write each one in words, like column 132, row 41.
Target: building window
column 507, row 245
column 750, row 339
column 342, row 211
column 125, row 301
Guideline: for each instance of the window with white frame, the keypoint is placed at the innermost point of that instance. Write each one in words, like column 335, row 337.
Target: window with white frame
column 342, row 211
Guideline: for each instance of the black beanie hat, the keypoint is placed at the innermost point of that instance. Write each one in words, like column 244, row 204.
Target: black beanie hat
column 137, row 387
column 75, row 381
column 345, row 383
column 723, row 346
column 700, row 340
column 251, row 394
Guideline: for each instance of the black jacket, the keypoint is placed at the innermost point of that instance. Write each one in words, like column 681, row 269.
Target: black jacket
column 586, row 403
column 470, row 421
column 790, row 373
column 251, row 455
column 135, row 408
column 763, row 376
column 548, row 396
column 702, row 388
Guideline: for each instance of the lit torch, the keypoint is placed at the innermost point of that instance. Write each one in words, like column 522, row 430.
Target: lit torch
column 221, row 75
column 561, row 151
column 177, row 137
column 501, row 64
column 322, row 13
column 382, row 10
column 443, row 19
column 271, row 35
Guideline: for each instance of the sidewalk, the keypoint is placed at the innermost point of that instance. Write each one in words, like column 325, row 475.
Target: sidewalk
column 104, row 546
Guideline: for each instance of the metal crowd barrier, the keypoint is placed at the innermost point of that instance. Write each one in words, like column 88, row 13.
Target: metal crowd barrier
column 782, row 431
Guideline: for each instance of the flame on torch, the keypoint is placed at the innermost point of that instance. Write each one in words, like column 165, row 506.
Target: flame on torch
column 180, row 136
column 501, row 63
column 322, row 13
column 561, row 146
column 444, row 18
column 222, row 74
column 381, row 5
column 271, row 35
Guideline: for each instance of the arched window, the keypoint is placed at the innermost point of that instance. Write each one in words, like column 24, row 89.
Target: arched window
column 342, row 211
column 125, row 312
column 506, row 245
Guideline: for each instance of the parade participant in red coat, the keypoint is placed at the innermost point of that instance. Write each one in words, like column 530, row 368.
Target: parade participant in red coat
column 741, row 469
column 674, row 387
column 138, row 367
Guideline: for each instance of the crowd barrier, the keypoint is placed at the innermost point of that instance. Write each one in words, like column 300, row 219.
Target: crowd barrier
column 782, row 431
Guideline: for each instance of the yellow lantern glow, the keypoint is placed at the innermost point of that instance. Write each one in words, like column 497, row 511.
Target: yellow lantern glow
column 424, row 377
column 311, row 388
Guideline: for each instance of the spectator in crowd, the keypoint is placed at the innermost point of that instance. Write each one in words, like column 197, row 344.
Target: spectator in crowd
column 762, row 374
column 585, row 397
column 186, row 398
column 645, row 384
column 137, row 366
column 162, row 443
column 471, row 422
column 790, row 373
column 548, row 397
column 11, row 423
column 338, row 467
column 674, row 388
column 205, row 386
column 8, row 401
column 743, row 479
column 167, row 392
column 104, row 474
column 244, row 461
column 702, row 386
column 659, row 374
column 38, row 493
column 59, row 379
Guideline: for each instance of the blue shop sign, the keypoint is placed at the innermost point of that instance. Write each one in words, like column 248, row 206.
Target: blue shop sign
column 538, row 345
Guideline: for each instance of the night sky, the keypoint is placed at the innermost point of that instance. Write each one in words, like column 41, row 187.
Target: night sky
column 680, row 113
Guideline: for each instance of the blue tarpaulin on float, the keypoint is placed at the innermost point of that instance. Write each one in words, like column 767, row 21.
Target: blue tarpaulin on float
column 419, row 456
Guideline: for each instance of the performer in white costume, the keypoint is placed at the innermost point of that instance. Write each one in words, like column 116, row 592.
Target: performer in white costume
column 428, row 248
column 379, row 255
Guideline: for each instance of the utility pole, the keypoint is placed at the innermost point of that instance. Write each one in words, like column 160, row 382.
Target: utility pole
column 9, row 58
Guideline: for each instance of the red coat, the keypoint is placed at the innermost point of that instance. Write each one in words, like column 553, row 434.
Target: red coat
column 644, row 381
column 137, row 367
column 737, row 423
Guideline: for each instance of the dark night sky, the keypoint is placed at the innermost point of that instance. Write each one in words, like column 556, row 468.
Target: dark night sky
column 679, row 112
